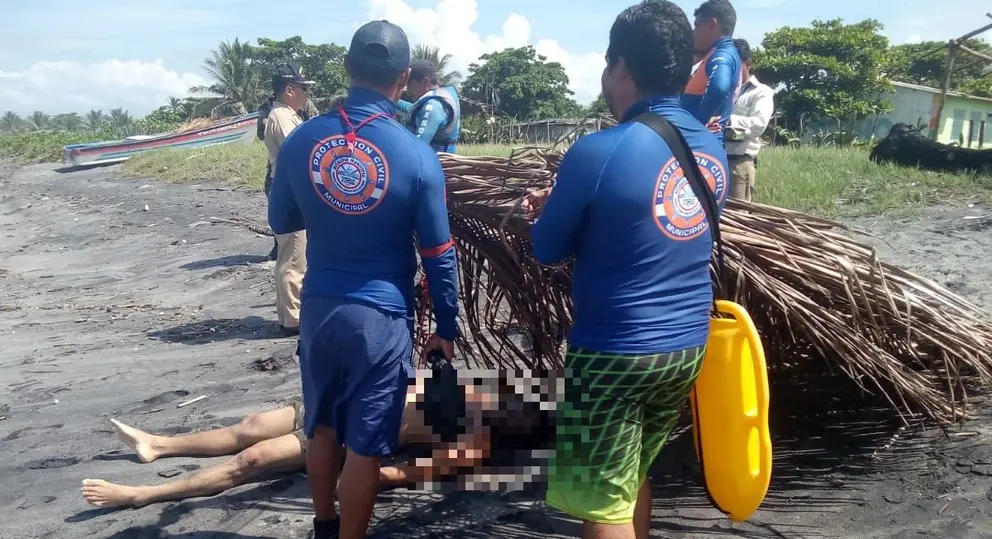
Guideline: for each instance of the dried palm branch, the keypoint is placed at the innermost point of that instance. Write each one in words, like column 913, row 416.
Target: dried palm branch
column 817, row 296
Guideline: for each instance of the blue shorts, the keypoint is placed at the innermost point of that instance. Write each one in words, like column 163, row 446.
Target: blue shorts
column 355, row 362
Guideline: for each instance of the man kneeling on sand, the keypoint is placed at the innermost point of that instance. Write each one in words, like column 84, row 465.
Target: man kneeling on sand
column 454, row 423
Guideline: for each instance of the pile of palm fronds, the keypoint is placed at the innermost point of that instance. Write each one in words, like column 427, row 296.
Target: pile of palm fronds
column 818, row 297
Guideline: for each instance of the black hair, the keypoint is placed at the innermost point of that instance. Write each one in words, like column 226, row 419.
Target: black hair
column 279, row 86
column 654, row 38
column 372, row 75
column 721, row 10
column 423, row 69
column 743, row 50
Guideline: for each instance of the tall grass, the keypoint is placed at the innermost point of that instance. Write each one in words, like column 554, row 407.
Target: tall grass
column 822, row 181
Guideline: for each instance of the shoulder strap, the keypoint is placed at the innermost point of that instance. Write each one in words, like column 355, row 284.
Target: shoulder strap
column 680, row 149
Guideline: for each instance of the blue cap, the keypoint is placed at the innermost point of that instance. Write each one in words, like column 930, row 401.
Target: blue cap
column 380, row 45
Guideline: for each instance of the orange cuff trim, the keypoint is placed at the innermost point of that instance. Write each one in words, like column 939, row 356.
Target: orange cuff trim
column 434, row 252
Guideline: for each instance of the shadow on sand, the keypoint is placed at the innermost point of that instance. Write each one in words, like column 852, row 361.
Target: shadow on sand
column 228, row 261
column 220, row 329
column 826, row 441
column 826, row 437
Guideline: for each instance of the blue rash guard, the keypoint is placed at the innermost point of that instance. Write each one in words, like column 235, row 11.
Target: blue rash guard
column 623, row 208
column 713, row 87
column 362, row 210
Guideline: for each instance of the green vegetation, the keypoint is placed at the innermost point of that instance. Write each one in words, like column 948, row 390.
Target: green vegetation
column 830, row 70
column 40, row 146
column 834, row 73
column 825, row 181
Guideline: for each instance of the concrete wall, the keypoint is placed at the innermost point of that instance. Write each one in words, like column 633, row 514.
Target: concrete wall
column 956, row 125
column 919, row 107
column 909, row 106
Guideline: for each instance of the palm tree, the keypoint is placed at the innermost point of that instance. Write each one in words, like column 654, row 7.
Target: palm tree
column 39, row 120
column 70, row 122
column 120, row 118
column 441, row 61
column 237, row 76
column 176, row 104
column 95, row 120
column 10, row 123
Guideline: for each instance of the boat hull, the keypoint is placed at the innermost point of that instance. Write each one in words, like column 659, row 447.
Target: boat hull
column 239, row 129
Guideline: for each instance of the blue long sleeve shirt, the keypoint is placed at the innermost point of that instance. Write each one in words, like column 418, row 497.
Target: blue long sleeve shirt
column 623, row 208
column 713, row 88
column 366, row 211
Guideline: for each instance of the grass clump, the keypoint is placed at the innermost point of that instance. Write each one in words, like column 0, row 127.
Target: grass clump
column 240, row 164
column 823, row 181
column 41, row 147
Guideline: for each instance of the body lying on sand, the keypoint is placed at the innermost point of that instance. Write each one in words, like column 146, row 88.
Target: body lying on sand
column 449, row 427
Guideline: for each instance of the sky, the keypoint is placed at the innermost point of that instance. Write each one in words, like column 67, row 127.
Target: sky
column 64, row 56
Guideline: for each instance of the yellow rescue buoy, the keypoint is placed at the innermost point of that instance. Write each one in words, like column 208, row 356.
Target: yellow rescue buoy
column 730, row 415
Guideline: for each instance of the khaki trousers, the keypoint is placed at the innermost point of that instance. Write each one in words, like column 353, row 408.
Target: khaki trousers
column 291, row 265
column 742, row 176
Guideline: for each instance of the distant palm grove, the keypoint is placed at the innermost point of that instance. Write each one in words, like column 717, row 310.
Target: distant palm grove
column 513, row 83
column 830, row 70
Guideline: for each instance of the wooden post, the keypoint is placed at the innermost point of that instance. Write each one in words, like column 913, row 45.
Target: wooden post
column 952, row 49
column 981, row 134
column 971, row 131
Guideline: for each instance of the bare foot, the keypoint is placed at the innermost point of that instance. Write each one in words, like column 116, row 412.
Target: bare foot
column 139, row 441
column 99, row 493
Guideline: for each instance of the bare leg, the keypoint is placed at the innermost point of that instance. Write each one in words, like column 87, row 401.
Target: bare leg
column 642, row 511
column 323, row 460
column 358, row 491
column 225, row 441
column 592, row 530
column 278, row 455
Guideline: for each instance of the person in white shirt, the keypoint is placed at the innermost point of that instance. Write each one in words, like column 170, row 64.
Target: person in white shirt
column 752, row 111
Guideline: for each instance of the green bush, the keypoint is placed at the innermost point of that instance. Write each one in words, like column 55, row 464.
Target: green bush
column 42, row 147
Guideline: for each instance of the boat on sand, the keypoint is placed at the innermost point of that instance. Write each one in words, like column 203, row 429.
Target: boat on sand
column 236, row 129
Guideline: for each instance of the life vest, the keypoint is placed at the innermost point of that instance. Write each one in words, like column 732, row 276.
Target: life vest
column 447, row 136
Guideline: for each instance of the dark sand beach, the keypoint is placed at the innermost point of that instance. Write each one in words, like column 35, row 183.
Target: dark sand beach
column 122, row 298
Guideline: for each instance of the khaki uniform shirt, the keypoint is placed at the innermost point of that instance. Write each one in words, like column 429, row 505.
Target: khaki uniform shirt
column 281, row 122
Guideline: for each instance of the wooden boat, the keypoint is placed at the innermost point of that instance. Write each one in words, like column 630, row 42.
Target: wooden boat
column 237, row 129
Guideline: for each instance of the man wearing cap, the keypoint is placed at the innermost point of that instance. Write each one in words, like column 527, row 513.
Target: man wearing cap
column 367, row 191
column 435, row 115
column 291, row 90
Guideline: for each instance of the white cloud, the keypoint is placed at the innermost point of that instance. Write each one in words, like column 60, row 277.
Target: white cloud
column 57, row 87
column 449, row 26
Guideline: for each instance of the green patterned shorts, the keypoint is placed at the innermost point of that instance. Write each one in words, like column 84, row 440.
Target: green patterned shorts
column 615, row 416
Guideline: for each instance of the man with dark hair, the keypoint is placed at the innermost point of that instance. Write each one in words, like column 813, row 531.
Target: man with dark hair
column 291, row 90
column 623, row 207
column 367, row 192
column 711, row 91
column 435, row 114
column 752, row 112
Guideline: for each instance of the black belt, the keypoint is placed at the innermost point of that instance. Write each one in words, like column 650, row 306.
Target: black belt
column 741, row 157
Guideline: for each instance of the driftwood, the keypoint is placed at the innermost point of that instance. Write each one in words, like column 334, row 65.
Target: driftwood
column 818, row 297
column 908, row 146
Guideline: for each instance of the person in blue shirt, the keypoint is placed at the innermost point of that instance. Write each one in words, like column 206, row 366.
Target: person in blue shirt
column 624, row 210
column 712, row 89
column 435, row 114
column 366, row 191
